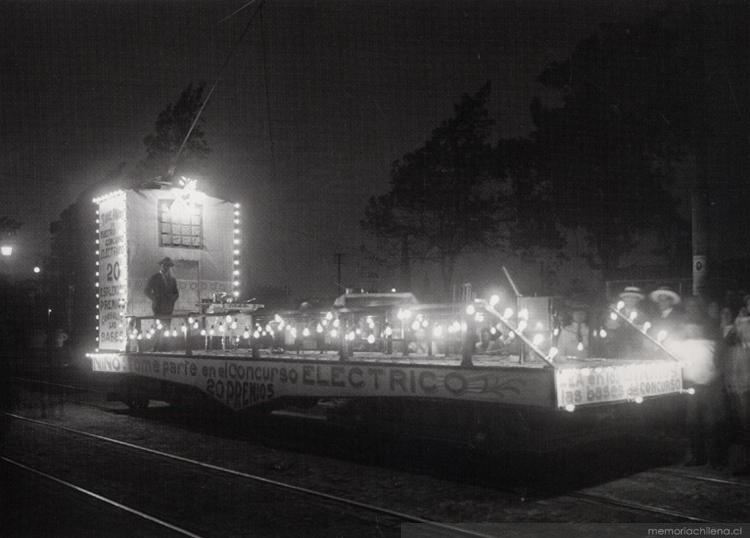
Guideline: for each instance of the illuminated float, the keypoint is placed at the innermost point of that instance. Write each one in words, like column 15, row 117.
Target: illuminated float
column 384, row 352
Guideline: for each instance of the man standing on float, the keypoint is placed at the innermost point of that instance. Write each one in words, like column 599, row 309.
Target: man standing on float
column 162, row 290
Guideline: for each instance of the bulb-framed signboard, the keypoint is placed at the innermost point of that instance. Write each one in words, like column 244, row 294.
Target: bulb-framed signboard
column 135, row 229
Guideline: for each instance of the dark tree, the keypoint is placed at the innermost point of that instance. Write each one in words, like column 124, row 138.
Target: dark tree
column 604, row 159
column 170, row 129
column 445, row 197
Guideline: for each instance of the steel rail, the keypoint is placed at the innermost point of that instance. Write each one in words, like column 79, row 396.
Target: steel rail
column 710, row 479
column 282, row 485
column 601, row 499
column 101, row 498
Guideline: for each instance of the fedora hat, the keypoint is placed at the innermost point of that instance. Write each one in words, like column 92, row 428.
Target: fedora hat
column 665, row 291
column 167, row 262
column 632, row 292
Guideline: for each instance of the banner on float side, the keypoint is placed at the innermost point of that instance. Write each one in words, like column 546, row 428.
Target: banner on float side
column 239, row 384
column 617, row 382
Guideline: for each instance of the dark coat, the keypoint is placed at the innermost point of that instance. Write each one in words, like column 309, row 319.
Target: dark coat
column 162, row 290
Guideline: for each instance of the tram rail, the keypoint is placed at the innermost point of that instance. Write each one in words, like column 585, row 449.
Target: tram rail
column 591, row 498
column 350, row 503
column 101, row 498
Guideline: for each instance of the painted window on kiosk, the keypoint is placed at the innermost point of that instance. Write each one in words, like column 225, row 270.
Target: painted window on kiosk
column 180, row 225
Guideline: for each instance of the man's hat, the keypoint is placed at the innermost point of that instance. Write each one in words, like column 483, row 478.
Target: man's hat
column 665, row 291
column 167, row 262
column 632, row 292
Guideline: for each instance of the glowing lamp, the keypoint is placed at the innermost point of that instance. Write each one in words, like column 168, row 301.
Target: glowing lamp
column 638, row 399
column 415, row 326
column 613, row 316
column 662, row 335
column 494, row 300
column 633, row 315
column 371, row 339
column 556, row 331
column 570, row 408
column 37, row 269
column 579, row 347
column 246, row 335
column 334, row 333
column 508, row 313
column 319, row 328
column 602, row 334
column 538, row 339
column 305, row 332
column 646, row 326
column 620, row 305
column 470, row 310
column 524, row 313
column 6, row 250
column 388, row 331
column 690, row 391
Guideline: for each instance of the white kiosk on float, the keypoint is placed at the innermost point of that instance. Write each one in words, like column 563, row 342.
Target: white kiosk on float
column 136, row 229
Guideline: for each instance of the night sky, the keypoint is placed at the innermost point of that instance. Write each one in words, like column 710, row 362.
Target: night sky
column 351, row 86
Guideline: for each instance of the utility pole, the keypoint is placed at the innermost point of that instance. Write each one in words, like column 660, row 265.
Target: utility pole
column 339, row 256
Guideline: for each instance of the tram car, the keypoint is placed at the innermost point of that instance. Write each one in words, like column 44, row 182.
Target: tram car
column 481, row 372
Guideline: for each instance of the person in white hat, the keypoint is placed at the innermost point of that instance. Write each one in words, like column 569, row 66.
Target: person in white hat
column 670, row 316
column 622, row 340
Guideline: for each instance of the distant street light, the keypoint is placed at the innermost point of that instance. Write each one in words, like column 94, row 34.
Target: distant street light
column 6, row 250
column 37, row 270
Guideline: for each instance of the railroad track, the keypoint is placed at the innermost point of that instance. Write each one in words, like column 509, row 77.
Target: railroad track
column 101, row 498
column 447, row 529
column 603, row 500
column 702, row 478
column 590, row 498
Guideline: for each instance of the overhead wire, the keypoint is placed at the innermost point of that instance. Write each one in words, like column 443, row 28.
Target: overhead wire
column 228, row 59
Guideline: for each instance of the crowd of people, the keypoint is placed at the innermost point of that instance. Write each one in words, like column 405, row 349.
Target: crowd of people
column 712, row 342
